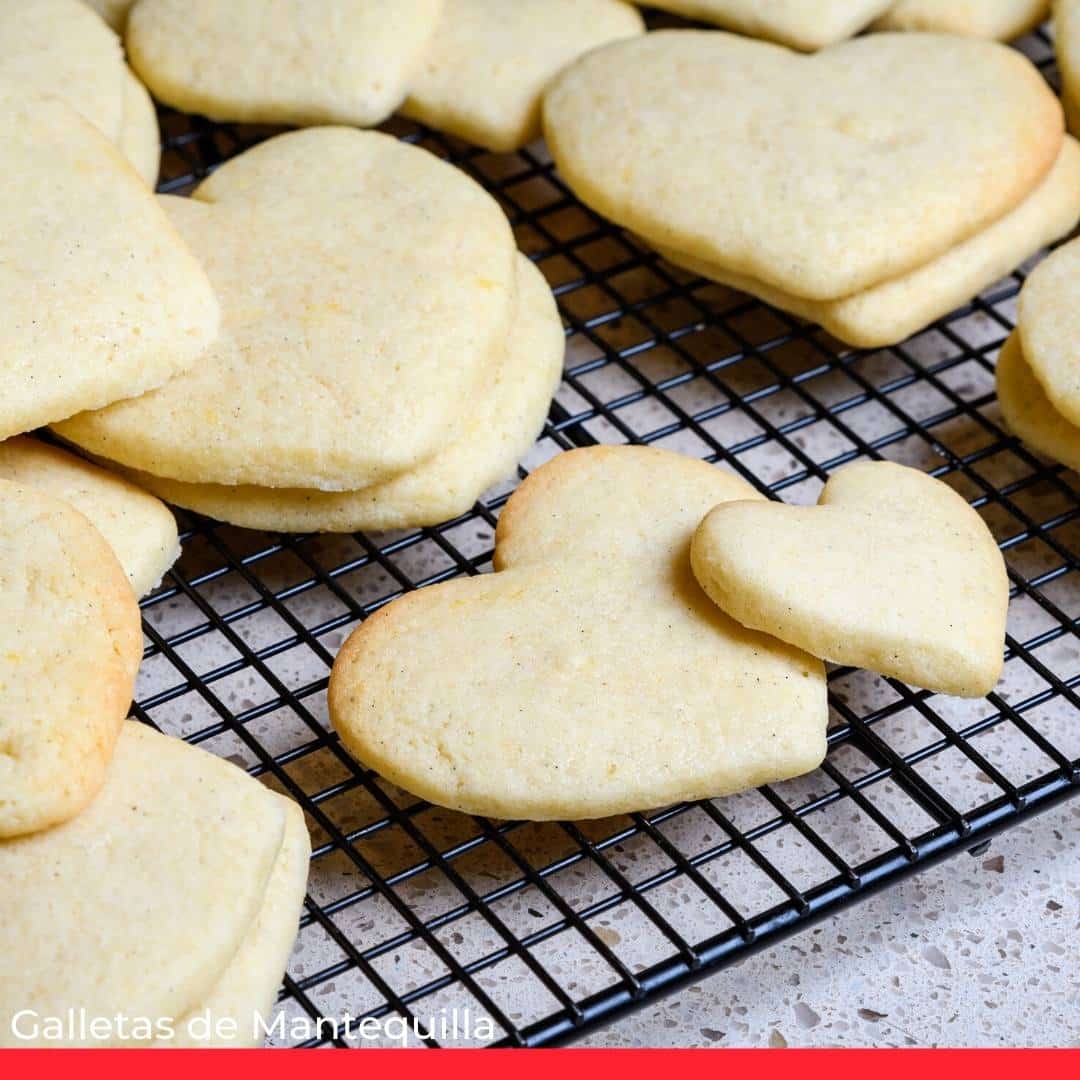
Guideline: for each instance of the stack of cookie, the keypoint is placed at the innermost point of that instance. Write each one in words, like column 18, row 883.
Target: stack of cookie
column 871, row 187
column 472, row 68
column 385, row 354
column 813, row 24
column 1038, row 371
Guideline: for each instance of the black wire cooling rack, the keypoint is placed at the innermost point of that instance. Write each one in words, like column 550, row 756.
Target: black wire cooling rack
column 548, row 930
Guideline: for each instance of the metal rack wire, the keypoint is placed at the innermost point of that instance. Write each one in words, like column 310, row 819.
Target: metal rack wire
column 549, row 930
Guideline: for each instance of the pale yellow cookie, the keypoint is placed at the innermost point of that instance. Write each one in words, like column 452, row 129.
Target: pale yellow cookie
column 501, row 426
column 1000, row 19
column 281, row 61
column 894, row 310
column 139, row 528
column 241, row 1004
column 139, row 905
column 102, row 298
column 70, row 645
column 1067, row 46
column 1049, row 326
column 485, row 70
column 891, row 571
column 367, row 290
column 61, row 48
column 597, row 677
column 801, row 24
column 1028, row 412
column 818, row 175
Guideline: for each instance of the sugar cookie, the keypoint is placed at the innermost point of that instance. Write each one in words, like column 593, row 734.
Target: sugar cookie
column 501, row 426
column 367, row 289
column 891, row 571
column 138, row 905
column 281, row 61
column 485, row 70
column 138, row 527
column 895, row 148
column 598, row 678
column 894, row 310
column 1067, row 46
column 1000, row 19
column 70, row 645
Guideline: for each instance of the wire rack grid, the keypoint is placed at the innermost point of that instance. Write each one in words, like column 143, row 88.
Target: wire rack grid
column 549, row 930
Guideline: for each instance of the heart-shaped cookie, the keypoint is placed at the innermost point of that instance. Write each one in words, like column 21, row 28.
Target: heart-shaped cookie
column 281, row 61
column 1049, row 326
column 894, row 310
column 70, row 646
column 61, row 48
column 802, row 24
column 891, row 571
column 1028, row 411
column 597, row 677
column 1002, row 20
column 367, row 290
column 503, row 422
column 485, row 69
column 101, row 298
column 139, row 528
column 818, row 175
column 138, row 905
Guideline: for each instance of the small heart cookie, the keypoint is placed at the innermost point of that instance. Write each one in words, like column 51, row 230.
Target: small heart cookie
column 892, row 571
column 1048, row 321
column 817, row 175
column 802, row 24
column 70, row 646
column 367, row 290
column 484, row 72
column 1028, row 411
column 281, row 61
column 62, row 49
column 139, row 528
column 1002, row 20
column 597, row 678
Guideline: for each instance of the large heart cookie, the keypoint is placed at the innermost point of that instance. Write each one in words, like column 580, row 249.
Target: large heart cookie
column 61, row 48
column 802, row 24
column 1028, row 411
column 891, row 571
column 488, row 62
column 139, row 528
column 1067, row 45
column 1000, row 19
column 70, row 645
column 136, row 907
column 367, row 291
column 1049, row 325
column 818, row 175
column 598, row 678
column 281, row 61
column 502, row 423
column 894, row 310
column 101, row 299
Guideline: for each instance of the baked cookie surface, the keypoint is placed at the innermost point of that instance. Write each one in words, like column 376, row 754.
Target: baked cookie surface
column 598, row 677
column 71, row 646
column 892, row 571
column 500, row 427
column 893, row 149
column 138, row 905
column 75, row 337
column 484, row 72
column 61, row 48
column 281, row 61
column 367, row 290
column 999, row 19
column 138, row 527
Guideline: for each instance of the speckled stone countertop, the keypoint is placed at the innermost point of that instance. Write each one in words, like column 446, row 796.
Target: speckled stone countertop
column 976, row 952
